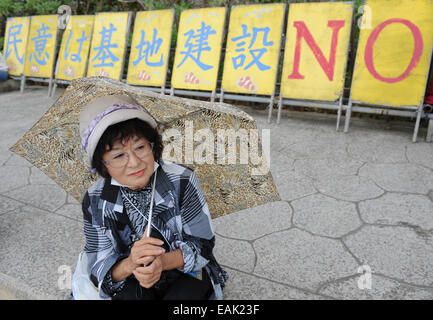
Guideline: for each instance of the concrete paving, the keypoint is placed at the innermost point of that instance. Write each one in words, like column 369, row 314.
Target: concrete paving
column 355, row 220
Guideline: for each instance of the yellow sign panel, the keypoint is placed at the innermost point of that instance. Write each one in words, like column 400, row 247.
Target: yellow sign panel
column 150, row 48
column 394, row 52
column 74, row 50
column 41, row 47
column 198, row 49
column 253, row 47
column 316, row 50
column 109, row 42
column 17, row 31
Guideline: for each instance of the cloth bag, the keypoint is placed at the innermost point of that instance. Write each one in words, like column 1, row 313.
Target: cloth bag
column 82, row 287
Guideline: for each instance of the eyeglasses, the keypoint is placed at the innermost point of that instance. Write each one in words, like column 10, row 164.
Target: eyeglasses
column 120, row 160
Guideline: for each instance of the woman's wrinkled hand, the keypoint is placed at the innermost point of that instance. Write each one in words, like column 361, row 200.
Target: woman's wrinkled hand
column 149, row 275
column 144, row 251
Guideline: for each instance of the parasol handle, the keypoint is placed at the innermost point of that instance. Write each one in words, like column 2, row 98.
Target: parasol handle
column 149, row 223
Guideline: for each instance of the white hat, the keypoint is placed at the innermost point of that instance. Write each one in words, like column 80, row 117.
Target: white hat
column 105, row 111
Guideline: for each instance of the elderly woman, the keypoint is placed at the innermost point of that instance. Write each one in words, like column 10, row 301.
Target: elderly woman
column 176, row 262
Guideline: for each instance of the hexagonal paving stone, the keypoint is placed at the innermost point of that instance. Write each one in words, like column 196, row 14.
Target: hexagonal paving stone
column 255, row 222
column 280, row 161
column 293, row 185
column 399, row 177
column 48, row 197
column 16, row 160
column 321, row 168
column 35, row 243
column 243, row 286
column 315, row 149
column 397, row 208
column 349, row 188
column 302, row 260
column 397, row 252
column 421, row 153
column 8, row 204
column 4, row 156
column 236, row 254
column 325, row 216
column 13, row 177
column 378, row 152
column 381, row 289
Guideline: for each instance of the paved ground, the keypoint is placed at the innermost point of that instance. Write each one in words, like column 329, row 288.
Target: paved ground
column 351, row 203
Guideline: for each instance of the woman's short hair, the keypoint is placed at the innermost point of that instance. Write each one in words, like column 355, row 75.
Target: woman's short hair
column 123, row 131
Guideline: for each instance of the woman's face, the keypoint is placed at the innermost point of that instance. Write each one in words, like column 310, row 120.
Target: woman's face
column 137, row 171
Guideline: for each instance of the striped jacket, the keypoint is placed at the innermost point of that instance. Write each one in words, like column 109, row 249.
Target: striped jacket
column 183, row 218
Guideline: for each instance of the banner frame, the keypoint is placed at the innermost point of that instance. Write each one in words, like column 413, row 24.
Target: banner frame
column 41, row 79
column 417, row 110
column 338, row 103
column 213, row 93
column 162, row 87
column 128, row 23
column 62, row 81
column 20, row 77
column 271, row 98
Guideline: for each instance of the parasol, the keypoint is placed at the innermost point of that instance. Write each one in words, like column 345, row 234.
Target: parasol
column 218, row 141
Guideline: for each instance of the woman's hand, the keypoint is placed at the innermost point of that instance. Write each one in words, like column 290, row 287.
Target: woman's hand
column 144, row 251
column 148, row 276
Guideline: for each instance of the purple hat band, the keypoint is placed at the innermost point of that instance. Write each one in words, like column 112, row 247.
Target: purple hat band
column 99, row 117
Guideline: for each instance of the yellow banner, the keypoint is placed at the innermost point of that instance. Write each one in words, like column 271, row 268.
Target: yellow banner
column 41, row 46
column 253, row 47
column 316, row 50
column 74, row 50
column 14, row 49
column 198, row 49
column 150, row 48
column 394, row 52
column 109, row 40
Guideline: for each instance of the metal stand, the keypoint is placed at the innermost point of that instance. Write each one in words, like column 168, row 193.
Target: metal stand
column 281, row 47
column 418, row 112
column 50, row 85
column 347, row 116
column 280, row 106
column 429, row 137
column 53, row 89
column 340, row 107
column 271, row 105
column 417, row 122
column 23, row 83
